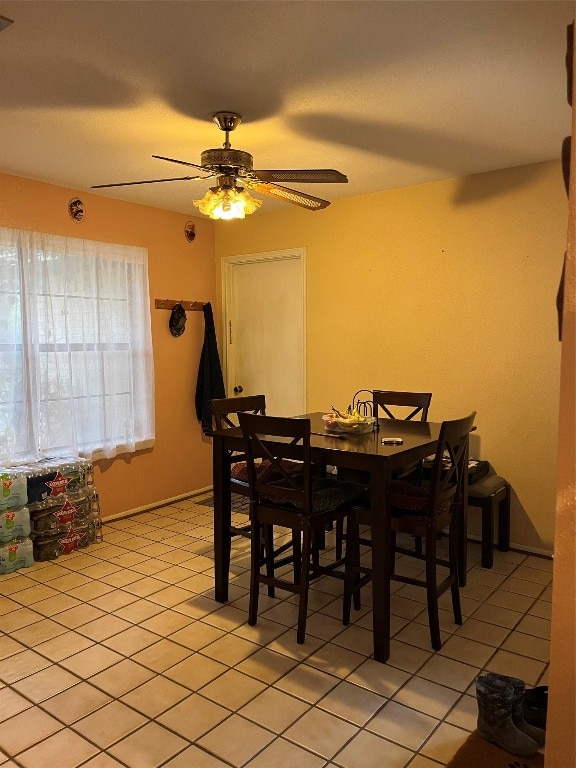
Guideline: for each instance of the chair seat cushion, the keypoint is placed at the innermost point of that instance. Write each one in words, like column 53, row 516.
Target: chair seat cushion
column 409, row 499
column 477, row 468
column 239, row 471
column 486, row 487
column 327, row 494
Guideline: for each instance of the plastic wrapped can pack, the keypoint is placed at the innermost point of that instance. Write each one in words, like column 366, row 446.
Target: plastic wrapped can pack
column 14, row 524
column 16, row 554
column 47, row 546
column 38, row 478
column 46, row 521
column 75, row 537
column 64, row 511
column 13, row 489
column 87, row 530
column 75, row 474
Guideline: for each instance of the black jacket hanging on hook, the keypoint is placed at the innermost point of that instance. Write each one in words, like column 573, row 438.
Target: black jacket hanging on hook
column 210, row 380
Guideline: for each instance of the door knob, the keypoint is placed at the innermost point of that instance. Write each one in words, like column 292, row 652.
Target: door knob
column 238, row 390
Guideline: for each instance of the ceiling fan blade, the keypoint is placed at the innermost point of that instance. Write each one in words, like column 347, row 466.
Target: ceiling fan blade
column 290, row 196
column 181, row 162
column 148, row 181
column 319, row 175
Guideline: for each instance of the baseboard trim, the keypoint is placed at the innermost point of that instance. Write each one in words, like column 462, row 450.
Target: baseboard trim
column 156, row 505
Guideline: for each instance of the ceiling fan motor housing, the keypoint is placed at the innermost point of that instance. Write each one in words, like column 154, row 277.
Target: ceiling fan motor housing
column 229, row 158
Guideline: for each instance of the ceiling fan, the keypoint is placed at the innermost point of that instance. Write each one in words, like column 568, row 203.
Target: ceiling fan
column 229, row 166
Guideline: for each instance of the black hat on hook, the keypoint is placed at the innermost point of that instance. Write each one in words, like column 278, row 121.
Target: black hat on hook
column 177, row 322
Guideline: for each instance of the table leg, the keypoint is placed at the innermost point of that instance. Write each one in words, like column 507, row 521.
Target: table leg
column 463, row 546
column 222, row 517
column 381, row 541
column 504, row 521
column 463, row 528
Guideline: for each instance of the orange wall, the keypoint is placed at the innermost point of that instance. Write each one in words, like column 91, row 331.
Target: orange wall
column 180, row 461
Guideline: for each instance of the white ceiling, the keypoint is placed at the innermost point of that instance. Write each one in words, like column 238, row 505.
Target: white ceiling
column 389, row 93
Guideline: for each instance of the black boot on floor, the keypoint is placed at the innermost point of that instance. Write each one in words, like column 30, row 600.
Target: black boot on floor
column 538, row 734
column 495, row 724
column 535, row 706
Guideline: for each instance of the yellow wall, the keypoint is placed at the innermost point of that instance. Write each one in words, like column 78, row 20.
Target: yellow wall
column 180, row 462
column 447, row 287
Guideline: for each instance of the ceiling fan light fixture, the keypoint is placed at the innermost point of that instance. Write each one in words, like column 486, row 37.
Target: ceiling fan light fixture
column 227, row 202
column 228, row 165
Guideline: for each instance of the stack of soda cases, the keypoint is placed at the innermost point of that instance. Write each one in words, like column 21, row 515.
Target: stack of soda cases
column 62, row 504
column 15, row 542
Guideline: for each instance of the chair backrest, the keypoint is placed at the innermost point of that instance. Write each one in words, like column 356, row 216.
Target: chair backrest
column 417, row 402
column 450, row 467
column 271, row 439
column 226, row 410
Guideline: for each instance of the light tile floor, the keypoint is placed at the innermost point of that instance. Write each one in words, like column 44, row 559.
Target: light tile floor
column 119, row 656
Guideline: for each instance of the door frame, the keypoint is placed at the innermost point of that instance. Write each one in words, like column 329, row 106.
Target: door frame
column 228, row 309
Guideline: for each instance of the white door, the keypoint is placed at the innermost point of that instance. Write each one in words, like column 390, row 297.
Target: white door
column 264, row 323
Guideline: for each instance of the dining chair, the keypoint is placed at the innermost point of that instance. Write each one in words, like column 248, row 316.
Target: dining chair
column 423, row 510
column 225, row 412
column 301, row 503
column 392, row 405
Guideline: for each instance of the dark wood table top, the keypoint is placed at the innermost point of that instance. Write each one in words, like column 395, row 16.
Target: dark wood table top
column 414, row 435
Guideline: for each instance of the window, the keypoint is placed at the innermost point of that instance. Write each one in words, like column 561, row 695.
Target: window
column 76, row 367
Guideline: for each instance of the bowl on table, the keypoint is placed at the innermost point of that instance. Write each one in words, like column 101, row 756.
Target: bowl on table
column 361, row 426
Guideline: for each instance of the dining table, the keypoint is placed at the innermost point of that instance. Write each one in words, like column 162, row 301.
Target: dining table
column 372, row 454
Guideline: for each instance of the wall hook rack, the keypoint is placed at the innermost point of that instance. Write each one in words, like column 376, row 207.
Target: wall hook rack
column 188, row 306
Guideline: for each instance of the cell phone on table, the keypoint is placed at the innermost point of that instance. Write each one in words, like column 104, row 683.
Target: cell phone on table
column 392, row 441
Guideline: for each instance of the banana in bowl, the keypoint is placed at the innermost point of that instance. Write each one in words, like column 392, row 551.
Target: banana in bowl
column 350, row 421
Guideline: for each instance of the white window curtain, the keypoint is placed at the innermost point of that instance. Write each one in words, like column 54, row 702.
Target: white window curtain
column 76, row 367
